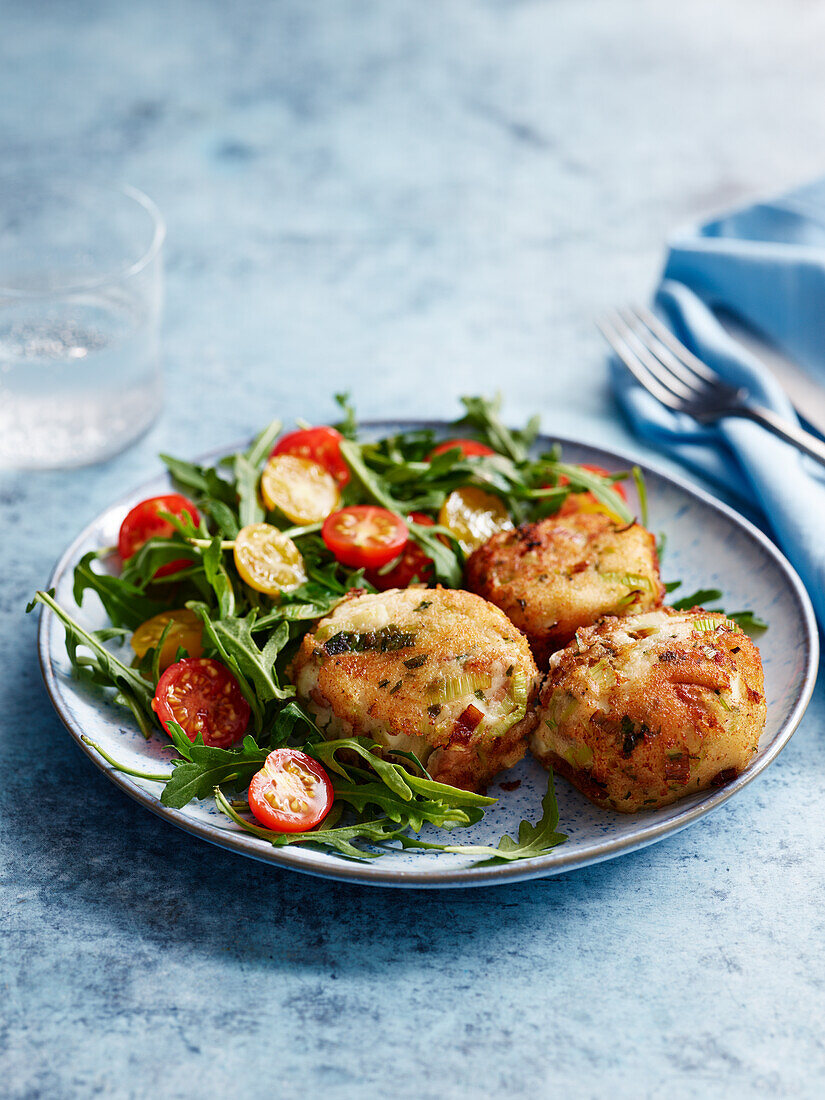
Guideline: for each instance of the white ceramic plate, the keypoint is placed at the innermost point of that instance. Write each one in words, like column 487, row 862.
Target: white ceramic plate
column 708, row 545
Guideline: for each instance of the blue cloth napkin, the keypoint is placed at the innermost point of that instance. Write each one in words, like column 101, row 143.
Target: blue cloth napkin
column 765, row 265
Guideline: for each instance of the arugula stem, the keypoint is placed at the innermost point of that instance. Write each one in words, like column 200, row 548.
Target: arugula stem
column 129, row 675
column 296, row 532
column 226, row 544
column 641, row 489
column 122, row 767
column 355, row 461
column 314, row 836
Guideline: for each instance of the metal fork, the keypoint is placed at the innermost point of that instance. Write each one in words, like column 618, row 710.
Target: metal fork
column 666, row 369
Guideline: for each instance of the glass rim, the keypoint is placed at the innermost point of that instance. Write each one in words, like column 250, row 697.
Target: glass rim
column 131, row 269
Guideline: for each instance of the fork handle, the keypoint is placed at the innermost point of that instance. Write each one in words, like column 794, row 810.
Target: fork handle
column 791, row 433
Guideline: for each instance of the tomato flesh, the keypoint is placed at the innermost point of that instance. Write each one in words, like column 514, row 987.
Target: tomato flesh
column 267, row 560
column 586, row 502
column 291, row 793
column 321, row 445
column 300, row 488
column 364, row 536
column 185, row 632
column 203, row 697
column 469, row 448
column 413, row 565
column 145, row 522
column 473, row 516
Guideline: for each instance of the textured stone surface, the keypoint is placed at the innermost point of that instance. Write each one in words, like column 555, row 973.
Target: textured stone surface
column 414, row 201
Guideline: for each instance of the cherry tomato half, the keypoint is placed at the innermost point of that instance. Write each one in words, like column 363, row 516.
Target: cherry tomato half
column 267, row 560
column 299, row 488
column 473, row 516
column 144, row 522
column 586, row 502
column 291, row 793
column 413, row 565
column 186, row 632
column 321, row 445
column 204, row 698
column 364, row 536
column 469, row 448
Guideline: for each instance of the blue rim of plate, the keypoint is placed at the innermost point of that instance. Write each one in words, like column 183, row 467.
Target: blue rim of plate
column 380, row 872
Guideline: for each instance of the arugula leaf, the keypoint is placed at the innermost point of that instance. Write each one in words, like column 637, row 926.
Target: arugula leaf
column 141, row 569
column 696, row 599
column 641, row 490
column 748, row 621
column 413, row 814
column 533, row 840
column 124, row 603
column 392, row 775
column 262, row 443
column 482, row 415
column 348, row 427
column 446, row 562
column 205, row 480
column 246, row 468
column 253, row 668
column 202, row 768
column 218, row 578
column 404, row 797
column 291, row 715
column 601, row 488
column 339, row 839
column 246, row 481
column 368, row 479
column 102, row 667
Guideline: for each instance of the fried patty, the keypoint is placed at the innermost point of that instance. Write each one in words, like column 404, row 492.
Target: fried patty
column 565, row 572
column 640, row 711
column 441, row 673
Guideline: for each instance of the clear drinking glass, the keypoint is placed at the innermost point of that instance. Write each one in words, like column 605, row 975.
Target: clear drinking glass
column 80, row 300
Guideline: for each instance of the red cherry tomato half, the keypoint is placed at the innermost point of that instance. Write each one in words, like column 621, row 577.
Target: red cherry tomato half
column 364, row 536
column 469, row 448
column 413, row 565
column 321, row 445
column 291, row 793
column 204, row 698
column 144, row 522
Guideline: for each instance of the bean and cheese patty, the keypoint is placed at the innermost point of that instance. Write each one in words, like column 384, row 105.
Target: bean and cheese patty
column 565, row 572
column 639, row 711
column 438, row 672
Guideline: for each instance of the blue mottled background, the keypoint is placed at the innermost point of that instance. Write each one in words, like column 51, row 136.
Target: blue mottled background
column 412, row 200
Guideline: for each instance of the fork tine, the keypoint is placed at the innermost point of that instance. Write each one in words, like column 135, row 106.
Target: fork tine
column 683, row 381
column 663, row 375
column 636, row 367
column 666, row 337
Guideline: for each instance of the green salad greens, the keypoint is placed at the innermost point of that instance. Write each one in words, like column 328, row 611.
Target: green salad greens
column 382, row 799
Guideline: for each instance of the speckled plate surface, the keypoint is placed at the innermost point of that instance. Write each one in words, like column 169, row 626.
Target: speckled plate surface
column 708, row 545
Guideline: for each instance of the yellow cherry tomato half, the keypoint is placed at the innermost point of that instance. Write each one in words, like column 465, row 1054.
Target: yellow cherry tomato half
column 586, row 502
column 473, row 516
column 299, row 488
column 186, row 632
column 267, row 560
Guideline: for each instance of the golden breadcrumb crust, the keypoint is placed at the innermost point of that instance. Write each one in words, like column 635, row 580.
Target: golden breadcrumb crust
column 639, row 711
column 565, row 572
column 438, row 672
